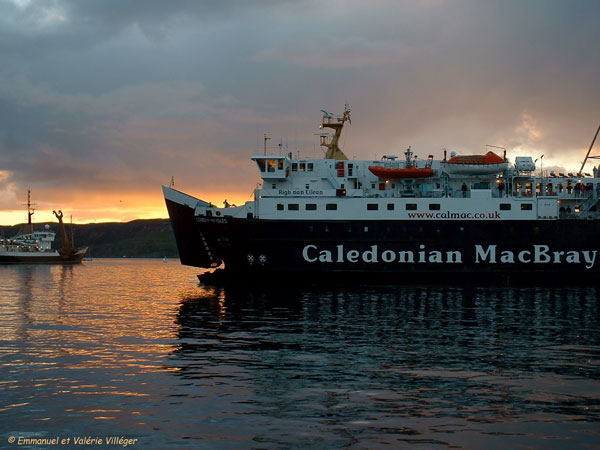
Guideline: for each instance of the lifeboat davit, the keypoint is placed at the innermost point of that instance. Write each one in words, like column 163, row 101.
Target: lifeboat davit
column 487, row 164
column 407, row 172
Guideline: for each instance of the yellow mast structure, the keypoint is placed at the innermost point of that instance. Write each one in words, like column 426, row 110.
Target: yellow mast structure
column 333, row 149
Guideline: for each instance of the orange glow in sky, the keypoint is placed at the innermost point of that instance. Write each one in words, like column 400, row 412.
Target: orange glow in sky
column 123, row 208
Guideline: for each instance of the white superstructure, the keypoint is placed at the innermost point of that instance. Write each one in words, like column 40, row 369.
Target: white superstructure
column 294, row 188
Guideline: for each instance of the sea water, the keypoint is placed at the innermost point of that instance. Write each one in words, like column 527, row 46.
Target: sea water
column 135, row 353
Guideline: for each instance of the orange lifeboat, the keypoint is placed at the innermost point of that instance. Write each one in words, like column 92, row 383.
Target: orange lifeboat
column 407, row 172
column 487, row 164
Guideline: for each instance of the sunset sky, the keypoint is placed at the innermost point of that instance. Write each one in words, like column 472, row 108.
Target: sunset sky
column 103, row 101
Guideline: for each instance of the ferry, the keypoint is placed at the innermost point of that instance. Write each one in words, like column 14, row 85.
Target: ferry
column 398, row 217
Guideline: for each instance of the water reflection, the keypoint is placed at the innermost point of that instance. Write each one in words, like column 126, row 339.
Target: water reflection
column 373, row 360
column 138, row 348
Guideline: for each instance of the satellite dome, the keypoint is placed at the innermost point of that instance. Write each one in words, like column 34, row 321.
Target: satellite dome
column 47, row 227
column 452, row 154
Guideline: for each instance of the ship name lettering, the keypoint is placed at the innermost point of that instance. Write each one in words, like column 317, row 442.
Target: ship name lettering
column 299, row 192
column 311, row 253
column 540, row 254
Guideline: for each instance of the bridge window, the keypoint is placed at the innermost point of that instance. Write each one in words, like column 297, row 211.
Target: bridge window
column 261, row 164
column 294, row 167
column 280, row 164
column 310, row 167
column 302, row 166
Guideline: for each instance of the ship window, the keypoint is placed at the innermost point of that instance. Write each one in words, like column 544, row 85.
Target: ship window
column 294, row 167
column 390, row 206
column 279, row 206
column 280, row 164
column 310, row 167
column 504, row 206
column 331, row 206
column 311, row 206
column 372, row 185
column 270, row 165
column 308, row 186
column 293, row 207
column 411, row 206
column 261, row 164
column 274, row 186
column 302, row 166
column 372, row 206
column 434, row 207
column 526, row 206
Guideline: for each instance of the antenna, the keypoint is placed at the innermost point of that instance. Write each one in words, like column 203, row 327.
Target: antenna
column 266, row 139
column 172, row 183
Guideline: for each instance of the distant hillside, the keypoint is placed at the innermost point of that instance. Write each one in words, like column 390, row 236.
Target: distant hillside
column 136, row 239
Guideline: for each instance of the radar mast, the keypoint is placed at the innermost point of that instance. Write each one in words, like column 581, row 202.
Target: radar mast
column 333, row 149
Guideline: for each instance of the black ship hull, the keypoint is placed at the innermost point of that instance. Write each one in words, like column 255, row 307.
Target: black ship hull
column 37, row 258
column 547, row 249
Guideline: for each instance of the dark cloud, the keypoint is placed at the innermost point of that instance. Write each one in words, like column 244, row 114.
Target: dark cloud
column 104, row 93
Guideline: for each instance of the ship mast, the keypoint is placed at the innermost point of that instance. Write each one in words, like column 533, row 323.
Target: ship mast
column 589, row 150
column 30, row 212
column 333, row 149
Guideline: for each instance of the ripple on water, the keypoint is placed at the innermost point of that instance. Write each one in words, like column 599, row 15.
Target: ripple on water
column 136, row 347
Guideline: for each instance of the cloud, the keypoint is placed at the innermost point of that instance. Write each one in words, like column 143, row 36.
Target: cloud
column 98, row 97
column 338, row 53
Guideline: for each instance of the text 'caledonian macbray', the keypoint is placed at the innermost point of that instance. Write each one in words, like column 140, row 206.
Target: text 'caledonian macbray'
column 486, row 254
